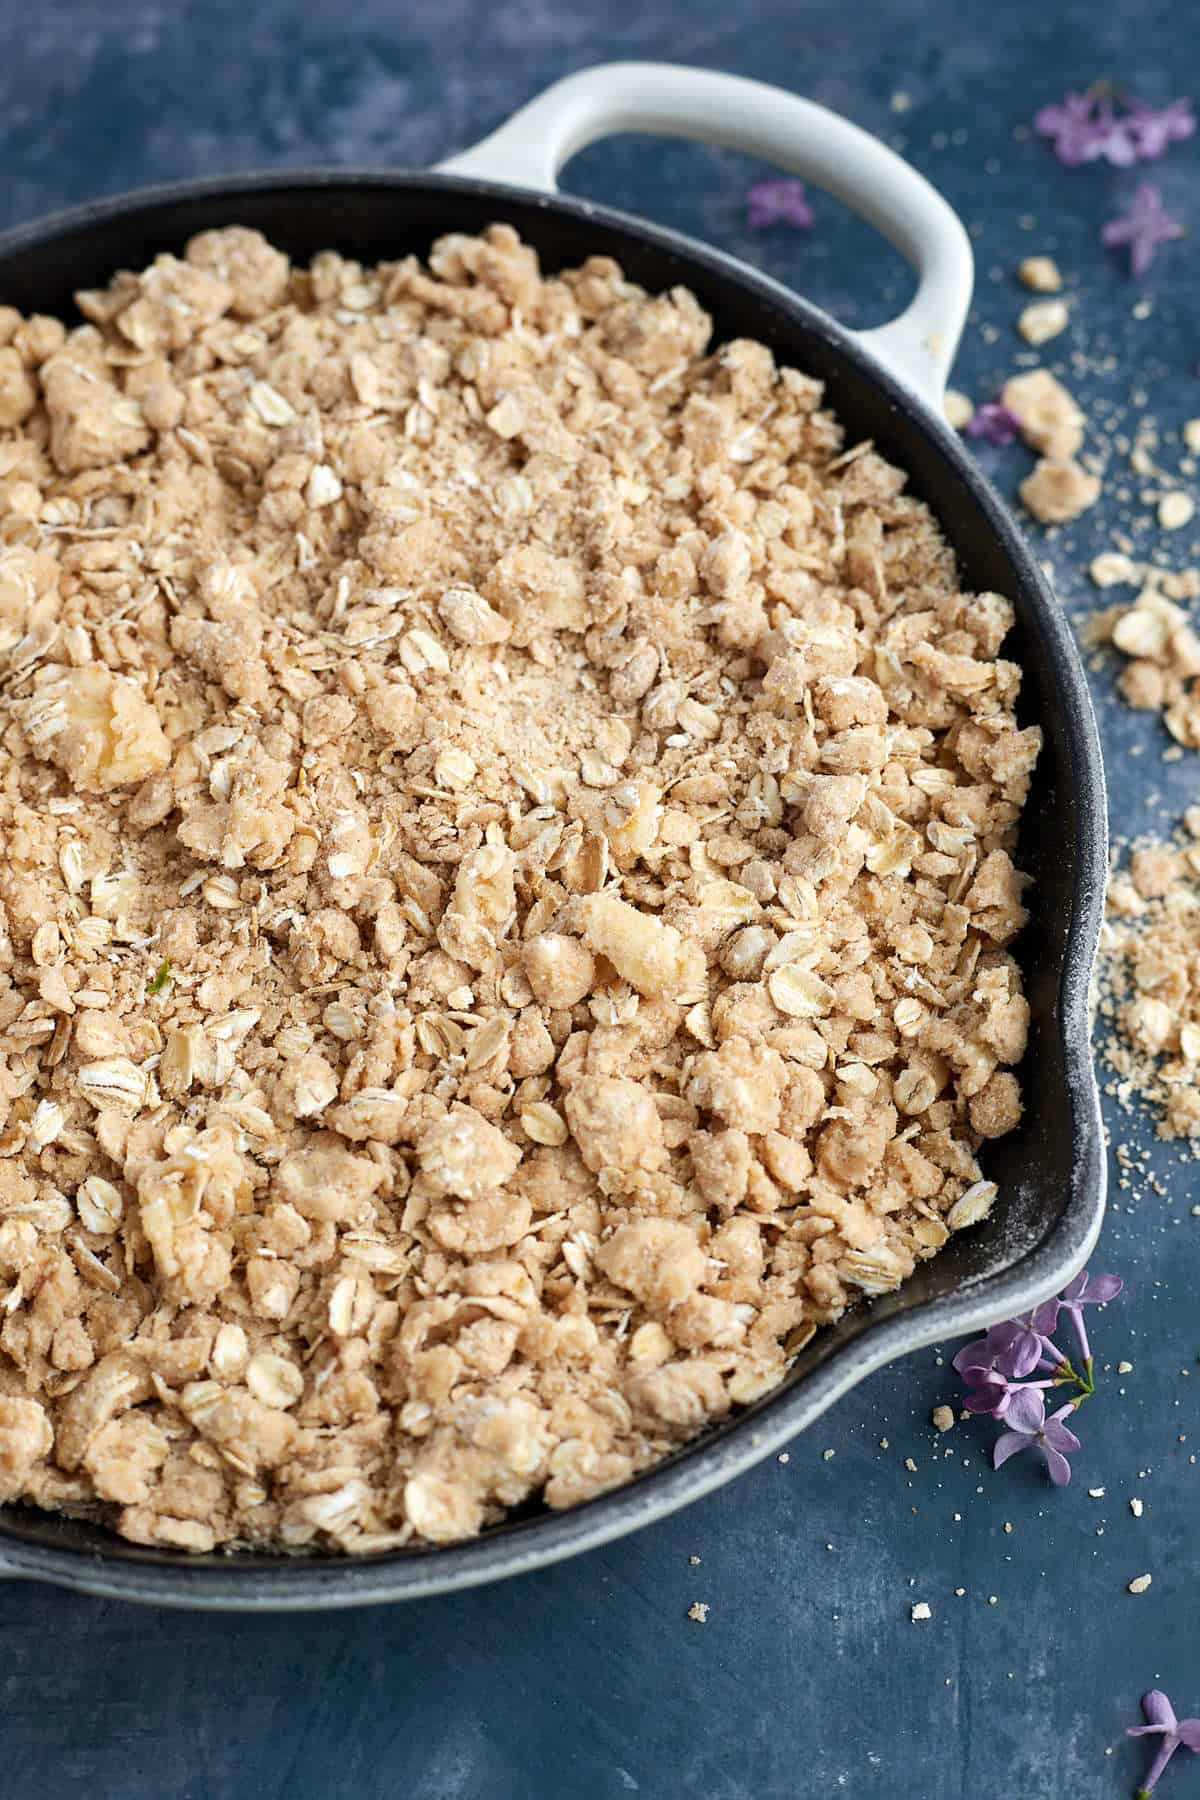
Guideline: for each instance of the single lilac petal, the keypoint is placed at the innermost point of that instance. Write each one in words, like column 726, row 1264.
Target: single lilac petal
column 1160, row 1714
column 976, row 1355
column 1103, row 1288
column 986, row 1406
column 1009, row 1443
column 1189, row 1734
column 1166, row 1751
column 1044, row 1318
column 1022, row 1356
column 1076, row 1288
column 989, row 1351
column 1026, row 1410
column 1055, row 1433
column 1057, row 1466
column 990, row 1394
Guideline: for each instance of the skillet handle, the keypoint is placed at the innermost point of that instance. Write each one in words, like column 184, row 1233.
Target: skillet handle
column 667, row 98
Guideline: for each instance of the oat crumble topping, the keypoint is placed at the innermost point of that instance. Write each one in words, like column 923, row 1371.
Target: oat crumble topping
column 506, row 896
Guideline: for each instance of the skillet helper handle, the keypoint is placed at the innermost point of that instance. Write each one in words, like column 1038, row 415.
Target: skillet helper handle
column 799, row 136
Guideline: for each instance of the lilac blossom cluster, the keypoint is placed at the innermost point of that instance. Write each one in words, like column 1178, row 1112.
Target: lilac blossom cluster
column 1008, row 1371
column 1089, row 128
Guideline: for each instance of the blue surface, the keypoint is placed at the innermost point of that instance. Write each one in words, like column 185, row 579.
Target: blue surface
column 808, row 1678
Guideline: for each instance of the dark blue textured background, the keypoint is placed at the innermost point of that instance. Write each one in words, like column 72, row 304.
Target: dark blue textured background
column 808, row 1678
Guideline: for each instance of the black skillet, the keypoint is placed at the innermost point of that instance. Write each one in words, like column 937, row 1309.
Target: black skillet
column 885, row 384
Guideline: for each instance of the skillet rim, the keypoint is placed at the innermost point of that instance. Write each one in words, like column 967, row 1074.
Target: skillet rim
column 222, row 1581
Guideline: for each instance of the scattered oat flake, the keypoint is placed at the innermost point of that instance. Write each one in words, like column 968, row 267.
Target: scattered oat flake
column 942, row 1418
column 1140, row 1583
column 921, row 1611
column 1136, row 1507
column 910, row 1465
column 699, row 1611
column 1124, row 1368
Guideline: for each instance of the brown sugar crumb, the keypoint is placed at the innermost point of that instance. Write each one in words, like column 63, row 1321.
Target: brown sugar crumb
column 1049, row 419
column 942, row 1418
column 1041, row 274
column 1112, row 568
column 1058, row 490
column 1149, row 984
column 1043, row 320
column 574, row 804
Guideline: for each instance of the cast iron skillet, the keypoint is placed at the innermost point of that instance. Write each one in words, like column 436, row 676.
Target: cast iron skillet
column 886, row 385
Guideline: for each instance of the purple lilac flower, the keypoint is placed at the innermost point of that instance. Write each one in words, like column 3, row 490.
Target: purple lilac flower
column 994, row 423
column 990, row 1394
column 1152, row 130
column 1078, row 135
column 1160, row 1719
column 1001, row 1348
column 778, row 202
column 1030, row 1429
column 1144, row 227
column 1087, row 1290
column 1087, row 127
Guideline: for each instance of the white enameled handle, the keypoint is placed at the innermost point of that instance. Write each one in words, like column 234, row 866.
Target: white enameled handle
column 798, row 135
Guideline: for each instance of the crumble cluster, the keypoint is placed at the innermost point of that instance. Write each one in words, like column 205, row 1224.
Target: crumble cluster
column 506, row 895
column 1149, row 980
